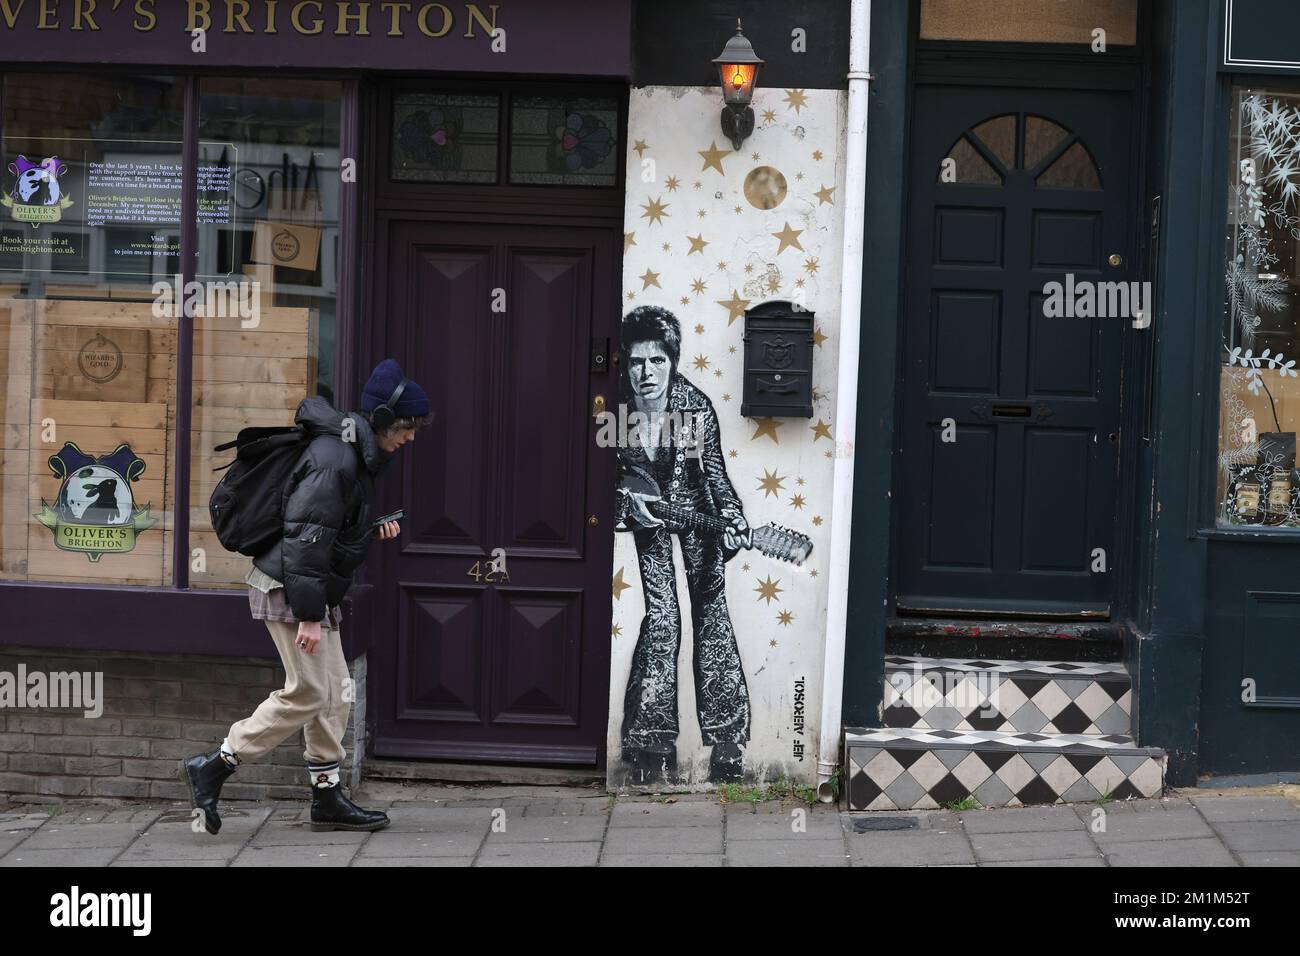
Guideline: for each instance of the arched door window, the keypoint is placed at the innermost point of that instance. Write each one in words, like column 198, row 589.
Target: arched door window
column 1020, row 144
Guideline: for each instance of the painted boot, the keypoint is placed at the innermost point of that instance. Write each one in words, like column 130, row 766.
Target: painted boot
column 725, row 763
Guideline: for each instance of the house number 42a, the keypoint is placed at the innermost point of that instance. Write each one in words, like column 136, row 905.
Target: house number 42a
column 493, row 571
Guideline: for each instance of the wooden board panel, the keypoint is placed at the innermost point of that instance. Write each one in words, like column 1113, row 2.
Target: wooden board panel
column 111, row 365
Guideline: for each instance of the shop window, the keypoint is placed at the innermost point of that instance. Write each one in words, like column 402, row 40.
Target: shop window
column 91, row 213
column 1030, row 21
column 1259, row 389
column 445, row 138
column 268, row 228
column 563, row 141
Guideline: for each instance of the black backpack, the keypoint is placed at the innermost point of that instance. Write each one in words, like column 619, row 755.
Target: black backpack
column 245, row 507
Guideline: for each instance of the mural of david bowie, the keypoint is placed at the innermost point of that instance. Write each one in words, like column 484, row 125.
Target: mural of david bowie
column 692, row 477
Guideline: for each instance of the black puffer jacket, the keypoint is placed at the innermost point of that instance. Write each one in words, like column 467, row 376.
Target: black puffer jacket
column 327, row 511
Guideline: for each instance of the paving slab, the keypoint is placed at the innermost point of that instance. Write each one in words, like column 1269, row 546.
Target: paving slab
column 816, row 824
column 551, row 830
column 629, row 839
column 80, row 856
column 665, row 815
column 1172, row 825
column 661, row 859
column 325, row 854
column 388, row 845
column 1245, row 809
column 1204, row 852
column 1020, row 820
column 1252, row 837
column 569, row 853
column 787, row 853
column 1033, row 845
column 66, row 837
column 909, row 848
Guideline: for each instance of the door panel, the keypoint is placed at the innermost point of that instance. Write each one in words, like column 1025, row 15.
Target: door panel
column 488, row 662
column 1012, row 189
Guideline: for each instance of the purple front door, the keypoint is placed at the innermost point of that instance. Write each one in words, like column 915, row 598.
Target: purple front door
column 494, row 607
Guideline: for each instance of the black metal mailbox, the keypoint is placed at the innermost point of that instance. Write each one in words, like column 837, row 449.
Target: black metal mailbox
column 778, row 362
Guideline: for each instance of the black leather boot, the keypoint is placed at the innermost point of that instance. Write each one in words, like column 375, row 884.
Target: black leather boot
column 332, row 810
column 205, row 773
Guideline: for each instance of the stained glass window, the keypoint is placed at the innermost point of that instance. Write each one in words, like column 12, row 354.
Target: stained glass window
column 564, row 141
column 445, row 138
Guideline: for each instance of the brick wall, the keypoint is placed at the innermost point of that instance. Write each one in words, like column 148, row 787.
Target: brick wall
column 157, row 709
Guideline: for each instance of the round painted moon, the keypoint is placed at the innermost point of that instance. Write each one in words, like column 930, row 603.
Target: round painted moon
column 765, row 187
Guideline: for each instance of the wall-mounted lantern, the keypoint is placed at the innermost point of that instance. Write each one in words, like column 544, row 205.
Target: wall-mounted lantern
column 738, row 71
column 778, row 361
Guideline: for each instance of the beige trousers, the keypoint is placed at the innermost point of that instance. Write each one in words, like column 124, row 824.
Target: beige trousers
column 316, row 697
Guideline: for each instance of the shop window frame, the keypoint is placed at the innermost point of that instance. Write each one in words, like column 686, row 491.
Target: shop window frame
column 211, row 623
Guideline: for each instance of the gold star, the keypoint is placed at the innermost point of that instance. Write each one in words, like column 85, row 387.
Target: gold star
column 822, row 430
column 819, row 337
column 797, row 502
column 817, row 394
column 817, row 520
column 774, row 285
column 667, row 247
column 766, row 426
column 717, row 372
column 788, row 237
column 701, row 213
column 700, row 363
column 713, row 157
column 722, row 266
column 824, row 195
column 768, row 590
column 828, row 454
column 770, row 483
column 817, row 155
column 685, row 301
column 649, row 279
column 619, row 585
column 731, row 349
column 697, row 184
column 799, row 176
column 628, row 241
column 732, row 453
column 754, row 156
column 749, row 267
column 810, row 265
column 672, row 183
column 813, row 573
column 616, row 630
column 799, row 481
column 798, row 283
column 735, row 306
column 769, row 116
column 795, row 99
column 654, row 211
column 697, row 243
column 726, row 396
column 785, row 617
column 697, row 286
column 640, row 147
column 630, row 296
column 699, row 328
column 772, row 642
column 744, row 567
column 738, row 210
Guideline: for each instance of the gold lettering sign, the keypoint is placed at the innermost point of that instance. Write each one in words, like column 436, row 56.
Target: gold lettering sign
column 248, row 17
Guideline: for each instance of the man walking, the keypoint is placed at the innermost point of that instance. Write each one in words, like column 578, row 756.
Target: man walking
column 296, row 585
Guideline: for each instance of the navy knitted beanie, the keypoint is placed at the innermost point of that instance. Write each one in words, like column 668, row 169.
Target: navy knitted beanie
column 379, row 387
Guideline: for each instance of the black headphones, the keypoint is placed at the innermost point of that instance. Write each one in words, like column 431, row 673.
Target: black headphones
column 384, row 415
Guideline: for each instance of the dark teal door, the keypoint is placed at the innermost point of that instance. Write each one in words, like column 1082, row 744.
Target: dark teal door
column 1009, row 436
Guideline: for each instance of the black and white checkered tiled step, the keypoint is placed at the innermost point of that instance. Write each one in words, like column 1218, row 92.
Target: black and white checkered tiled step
column 1042, row 697
column 905, row 769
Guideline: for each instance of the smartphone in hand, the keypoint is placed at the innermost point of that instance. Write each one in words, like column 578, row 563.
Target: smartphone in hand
column 397, row 515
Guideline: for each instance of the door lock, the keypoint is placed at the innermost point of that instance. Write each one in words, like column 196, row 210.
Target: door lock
column 1115, row 259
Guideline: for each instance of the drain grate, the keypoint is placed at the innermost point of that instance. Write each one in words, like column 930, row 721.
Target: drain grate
column 885, row 823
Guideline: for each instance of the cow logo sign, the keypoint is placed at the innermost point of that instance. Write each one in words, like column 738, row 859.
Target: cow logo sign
column 95, row 513
column 37, row 196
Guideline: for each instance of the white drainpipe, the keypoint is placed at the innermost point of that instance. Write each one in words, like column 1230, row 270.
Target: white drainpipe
column 846, row 395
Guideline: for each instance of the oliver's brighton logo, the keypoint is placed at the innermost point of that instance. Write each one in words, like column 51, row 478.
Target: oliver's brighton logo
column 36, row 196
column 95, row 512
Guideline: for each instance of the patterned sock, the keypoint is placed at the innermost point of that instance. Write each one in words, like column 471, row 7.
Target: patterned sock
column 323, row 774
column 228, row 755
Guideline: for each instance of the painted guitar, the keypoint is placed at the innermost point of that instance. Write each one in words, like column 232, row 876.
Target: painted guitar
column 771, row 540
